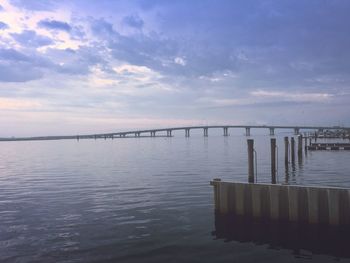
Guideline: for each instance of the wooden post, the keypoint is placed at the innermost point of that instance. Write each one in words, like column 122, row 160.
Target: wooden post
column 205, row 132
column 273, row 160
column 250, row 143
column 286, row 151
column 292, row 149
column 300, row 145
column 305, row 144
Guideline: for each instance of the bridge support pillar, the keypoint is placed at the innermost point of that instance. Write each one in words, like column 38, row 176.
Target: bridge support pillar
column 168, row 133
column 296, row 131
column 187, row 132
column 205, row 130
column 153, row 134
column 272, row 131
column 247, row 131
column 225, row 131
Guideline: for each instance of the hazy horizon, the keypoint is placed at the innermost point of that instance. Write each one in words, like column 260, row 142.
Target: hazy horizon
column 74, row 67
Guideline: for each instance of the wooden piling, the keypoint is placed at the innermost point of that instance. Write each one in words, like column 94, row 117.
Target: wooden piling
column 300, row 146
column 286, row 151
column 292, row 149
column 273, row 160
column 250, row 143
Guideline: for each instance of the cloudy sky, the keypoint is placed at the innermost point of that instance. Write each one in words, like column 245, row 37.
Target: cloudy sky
column 69, row 67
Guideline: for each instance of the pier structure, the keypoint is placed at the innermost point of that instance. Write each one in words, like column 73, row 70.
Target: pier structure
column 305, row 204
column 291, row 203
column 329, row 146
column 169, row 132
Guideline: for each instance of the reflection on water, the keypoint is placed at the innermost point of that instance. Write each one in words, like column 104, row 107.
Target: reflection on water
column 303, row 240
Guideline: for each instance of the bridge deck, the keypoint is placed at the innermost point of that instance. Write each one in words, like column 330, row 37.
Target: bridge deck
column 170, row 129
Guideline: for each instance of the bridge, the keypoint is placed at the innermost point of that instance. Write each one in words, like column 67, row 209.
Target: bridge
column 167, row 132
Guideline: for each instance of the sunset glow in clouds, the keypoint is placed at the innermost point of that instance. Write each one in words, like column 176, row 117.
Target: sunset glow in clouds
column 69, row 67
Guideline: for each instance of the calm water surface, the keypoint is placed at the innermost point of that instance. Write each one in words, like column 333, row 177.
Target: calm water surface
column 139, row 199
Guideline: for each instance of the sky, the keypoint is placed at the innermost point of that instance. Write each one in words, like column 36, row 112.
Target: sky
column 84, row 66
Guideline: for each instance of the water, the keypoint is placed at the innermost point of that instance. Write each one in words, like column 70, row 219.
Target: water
column 139, row 200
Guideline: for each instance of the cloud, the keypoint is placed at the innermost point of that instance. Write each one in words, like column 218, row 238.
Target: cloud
column 180, row 61
column 3, row 25
column 29, row 38
column 55, row 25
column 12, row 55
column 35, row 4
column 76, row 62
column 292, row 96
column 18, row 104
column 216, row 59
column 102, row 29
column 14, row 63
column 1, row 8
column 18, row 72
column 18, row 67
column 133, row 21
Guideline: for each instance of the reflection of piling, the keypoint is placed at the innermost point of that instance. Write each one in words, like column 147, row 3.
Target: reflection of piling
column 250, row 143
column 273, row 160
column 286, row 151
column 292, row 149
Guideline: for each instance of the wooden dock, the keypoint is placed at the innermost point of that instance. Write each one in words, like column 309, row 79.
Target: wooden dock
column 329, row 146
column 291, row 203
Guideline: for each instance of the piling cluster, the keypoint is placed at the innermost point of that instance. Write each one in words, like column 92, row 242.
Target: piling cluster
column 289, row 156
column 292, row 203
